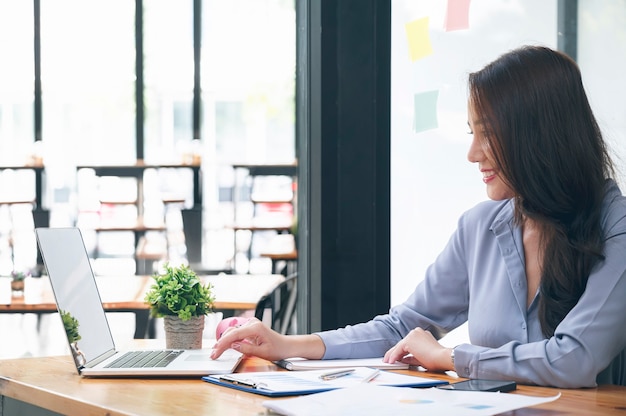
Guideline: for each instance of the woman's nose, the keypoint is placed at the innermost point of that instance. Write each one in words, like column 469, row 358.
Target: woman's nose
column 475, row 153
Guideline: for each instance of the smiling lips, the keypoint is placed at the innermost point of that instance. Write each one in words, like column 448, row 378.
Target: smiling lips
column 488, row 175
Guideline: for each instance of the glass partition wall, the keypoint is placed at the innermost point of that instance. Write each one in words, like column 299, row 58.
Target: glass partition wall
column 435, row 44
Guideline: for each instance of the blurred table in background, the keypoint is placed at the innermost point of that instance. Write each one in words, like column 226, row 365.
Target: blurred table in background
column 126, row 294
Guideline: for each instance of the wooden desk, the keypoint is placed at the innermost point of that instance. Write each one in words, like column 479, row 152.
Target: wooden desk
column 126, row 294
column 52, row 383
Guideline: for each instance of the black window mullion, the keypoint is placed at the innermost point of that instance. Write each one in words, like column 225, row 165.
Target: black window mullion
column 37, row 58
column 567, row 27
column 197, row 44
column 139, row 85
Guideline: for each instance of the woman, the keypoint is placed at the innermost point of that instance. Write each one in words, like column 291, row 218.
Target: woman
column 538, row 272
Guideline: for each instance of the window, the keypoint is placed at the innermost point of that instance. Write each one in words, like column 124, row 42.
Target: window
column 245, row 87
column 87, row 77
column 16, row 82
column 602, row 59
column 169, row 78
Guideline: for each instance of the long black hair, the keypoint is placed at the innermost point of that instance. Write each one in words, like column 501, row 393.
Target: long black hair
column 547, row 144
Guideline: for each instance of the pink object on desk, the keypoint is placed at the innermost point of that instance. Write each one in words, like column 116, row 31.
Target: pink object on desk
column 227, row 323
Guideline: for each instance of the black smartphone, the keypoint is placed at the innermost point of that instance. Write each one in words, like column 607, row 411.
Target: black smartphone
column 481, row 385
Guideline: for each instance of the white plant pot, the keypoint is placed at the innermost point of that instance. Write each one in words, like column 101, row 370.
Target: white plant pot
column 183, row 335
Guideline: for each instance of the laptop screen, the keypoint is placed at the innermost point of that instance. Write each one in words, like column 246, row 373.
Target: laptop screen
column 74, row 285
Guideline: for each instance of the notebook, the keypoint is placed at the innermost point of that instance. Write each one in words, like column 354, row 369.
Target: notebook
column 78, row 301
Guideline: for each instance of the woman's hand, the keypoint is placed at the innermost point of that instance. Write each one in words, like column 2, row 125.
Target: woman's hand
column 255, row 338
column 419, row 347
column 252, row 338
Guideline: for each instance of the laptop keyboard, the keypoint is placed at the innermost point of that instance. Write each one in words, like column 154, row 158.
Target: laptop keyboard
column 143, row 359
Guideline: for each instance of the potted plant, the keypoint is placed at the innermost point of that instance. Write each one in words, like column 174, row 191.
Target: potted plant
column 17, row 281
column 70, row 324
column 179, row 297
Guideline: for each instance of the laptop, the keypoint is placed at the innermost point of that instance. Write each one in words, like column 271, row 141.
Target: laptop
column 78, row 301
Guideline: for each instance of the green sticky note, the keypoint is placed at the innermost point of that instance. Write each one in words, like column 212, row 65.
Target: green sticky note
column 425, row 111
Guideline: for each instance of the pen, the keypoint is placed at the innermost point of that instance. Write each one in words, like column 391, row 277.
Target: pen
column 371, row 377
column 237, row 382
column 336, row 374
column 284, row 364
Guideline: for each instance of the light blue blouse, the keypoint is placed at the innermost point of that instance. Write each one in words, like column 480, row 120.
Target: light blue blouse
column 480, row 278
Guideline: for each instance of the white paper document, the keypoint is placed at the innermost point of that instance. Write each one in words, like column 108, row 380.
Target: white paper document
column 285, row 383
column 368, row 399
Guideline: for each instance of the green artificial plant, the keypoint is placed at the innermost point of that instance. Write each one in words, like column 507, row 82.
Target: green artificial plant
column 71, row 326
column 18, row 276
column 179, row 292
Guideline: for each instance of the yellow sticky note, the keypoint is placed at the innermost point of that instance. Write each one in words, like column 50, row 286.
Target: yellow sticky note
column 457, row 15
column 419, row 39
column 425, row 111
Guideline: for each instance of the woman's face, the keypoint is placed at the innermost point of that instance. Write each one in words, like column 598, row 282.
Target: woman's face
column 480, row 152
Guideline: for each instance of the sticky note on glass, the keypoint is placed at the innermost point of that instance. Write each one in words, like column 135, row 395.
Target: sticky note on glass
column 419, row 39
column 457, row 15
column 425, row 111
